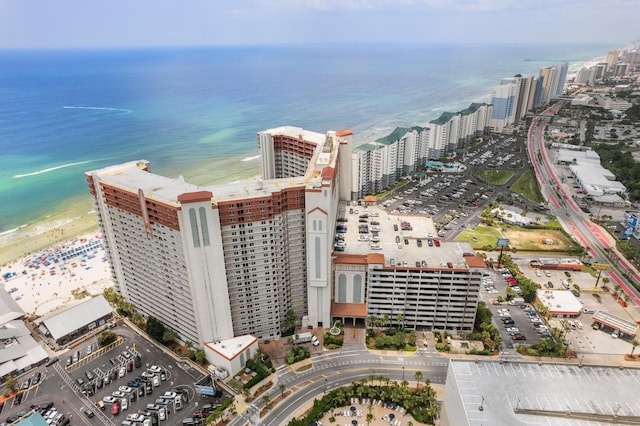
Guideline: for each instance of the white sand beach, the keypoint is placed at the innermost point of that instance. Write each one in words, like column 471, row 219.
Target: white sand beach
column 56, row 276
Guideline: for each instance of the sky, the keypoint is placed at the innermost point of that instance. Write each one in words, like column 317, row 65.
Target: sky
column 138, row 23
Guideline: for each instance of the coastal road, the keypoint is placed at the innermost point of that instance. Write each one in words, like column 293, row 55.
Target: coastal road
column 574, row 220
column 330, row 371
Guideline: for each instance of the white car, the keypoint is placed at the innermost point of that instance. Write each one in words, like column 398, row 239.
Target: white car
column 578, row 324
column 156, row 381
column 109, row 399
column 125, row 389
column 155, row 369
column 119, row 394
column 547, row 273
column 122, row 372
column 513, row 329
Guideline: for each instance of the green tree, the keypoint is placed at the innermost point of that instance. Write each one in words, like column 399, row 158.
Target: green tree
column 201, row 356
column 371, row 321
column 418, row 376
column 289, row 323
column 155, row 329
column 282, row 388
column 267, row 400
column 106, row 338
column 11, row 383
column 400, row 319
column 483, row 315
column 168, row 335
column 634, row 343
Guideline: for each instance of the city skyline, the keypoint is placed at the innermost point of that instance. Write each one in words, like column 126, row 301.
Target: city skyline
column 78, row 24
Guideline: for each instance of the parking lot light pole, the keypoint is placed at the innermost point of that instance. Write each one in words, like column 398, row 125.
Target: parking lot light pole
column 325, row 386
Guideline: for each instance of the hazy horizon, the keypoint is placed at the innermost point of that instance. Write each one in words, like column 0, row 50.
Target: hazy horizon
column 201, row 23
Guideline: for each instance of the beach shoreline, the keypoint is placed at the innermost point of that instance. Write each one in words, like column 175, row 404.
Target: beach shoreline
column 60, row 275
column 41, row 235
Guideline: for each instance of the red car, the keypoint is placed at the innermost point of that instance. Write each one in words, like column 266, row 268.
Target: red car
column 436, row 242
column 518, row 337
column 115, row 408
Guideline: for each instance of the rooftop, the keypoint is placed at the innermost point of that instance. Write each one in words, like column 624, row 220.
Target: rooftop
column 131, row 176
column 518, row 393
column 230, row 348
column 559, row 301
column 63, row 322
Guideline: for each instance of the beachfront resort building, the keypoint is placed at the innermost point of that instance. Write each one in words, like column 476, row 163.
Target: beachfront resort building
column 552, row 79
column 214, row 262
column 379, row 164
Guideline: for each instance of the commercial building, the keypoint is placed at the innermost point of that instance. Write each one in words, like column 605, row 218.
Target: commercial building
column 559, row 303
column 19, row 352
column 216, row 262
column 68, row 324
column 517, row 393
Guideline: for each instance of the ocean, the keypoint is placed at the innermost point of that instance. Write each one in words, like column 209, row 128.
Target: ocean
column 196, row 111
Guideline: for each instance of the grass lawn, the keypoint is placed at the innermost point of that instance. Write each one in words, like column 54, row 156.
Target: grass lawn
column 497, row 177
column 527, row 186
column 480, row 236
column 519, row 238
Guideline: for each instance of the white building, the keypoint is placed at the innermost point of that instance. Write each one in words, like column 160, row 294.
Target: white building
column 19, row 352
column 380, row 164
column 230, row 355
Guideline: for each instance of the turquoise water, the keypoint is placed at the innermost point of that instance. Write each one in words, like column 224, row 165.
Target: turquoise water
column 196, row 112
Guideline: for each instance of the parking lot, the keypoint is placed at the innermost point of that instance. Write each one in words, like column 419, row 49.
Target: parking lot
column 154, row 390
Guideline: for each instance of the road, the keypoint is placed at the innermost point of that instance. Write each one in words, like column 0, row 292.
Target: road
column 330, row 371
column 574, row 220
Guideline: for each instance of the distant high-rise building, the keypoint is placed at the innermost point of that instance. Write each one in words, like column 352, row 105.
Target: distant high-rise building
column 585, row 76
column 505, row 99
column 553, row 79
column 632, row 57
column 621, row 70
column 379, row 164
column 612, row 58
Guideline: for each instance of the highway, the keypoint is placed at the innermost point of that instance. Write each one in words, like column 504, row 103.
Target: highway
column 595, row 239
column 333, row 370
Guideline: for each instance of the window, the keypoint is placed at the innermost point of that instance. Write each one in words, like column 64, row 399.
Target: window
column 342, row 288
column 194, row 227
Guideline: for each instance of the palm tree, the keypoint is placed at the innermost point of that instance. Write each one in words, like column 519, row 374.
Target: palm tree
column 418, row 377
column 634, row 343
column 282, row 388
column 400, row 319
column 266, row 400
column 616, row 290
column 259, row 355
